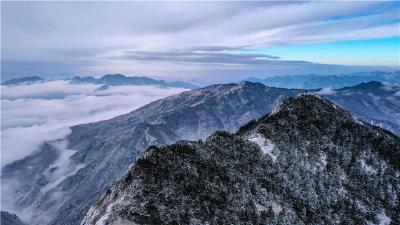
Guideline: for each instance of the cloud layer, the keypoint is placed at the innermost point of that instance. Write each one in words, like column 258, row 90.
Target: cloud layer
column 202, row 55
column 32, row 114
column 161, row 38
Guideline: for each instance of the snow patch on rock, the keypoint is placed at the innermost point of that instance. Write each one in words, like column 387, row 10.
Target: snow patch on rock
column 383, row 219
column 355, row 118
column 276, row 209
column 276, row 108
column 367, row 168
column 324, row 160
column 266, row 145
column 103, row 219
column 260, row 208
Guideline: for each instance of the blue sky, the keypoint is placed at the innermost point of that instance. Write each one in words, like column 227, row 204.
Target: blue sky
column 367, row 52
column 200, row 41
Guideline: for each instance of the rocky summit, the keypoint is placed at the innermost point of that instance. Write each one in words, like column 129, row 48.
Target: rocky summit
column 306, row 162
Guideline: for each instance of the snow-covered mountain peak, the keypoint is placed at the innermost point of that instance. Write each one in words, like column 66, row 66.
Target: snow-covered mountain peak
column 309, row 163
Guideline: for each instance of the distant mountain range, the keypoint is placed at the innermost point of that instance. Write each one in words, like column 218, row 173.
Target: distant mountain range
column 314, row 81
column 106, row 149
column 308, row 81
column 307, row 162
column 106, row 80
column 24, row 80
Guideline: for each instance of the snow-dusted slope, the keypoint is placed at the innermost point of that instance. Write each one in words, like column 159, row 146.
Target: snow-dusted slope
column 327, row 168
column 373, row 102
column 104, row 150
column 7, row 218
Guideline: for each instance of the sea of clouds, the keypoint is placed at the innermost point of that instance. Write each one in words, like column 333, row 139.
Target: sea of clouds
column 35, row 113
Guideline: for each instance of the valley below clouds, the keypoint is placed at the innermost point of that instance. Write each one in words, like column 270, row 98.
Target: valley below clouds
column 35, row 113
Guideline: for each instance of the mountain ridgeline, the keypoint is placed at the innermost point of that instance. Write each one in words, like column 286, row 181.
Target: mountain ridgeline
column 106, row 149
column 105, row 81
column 24, row 80
column 315, row 81
column 307, row 162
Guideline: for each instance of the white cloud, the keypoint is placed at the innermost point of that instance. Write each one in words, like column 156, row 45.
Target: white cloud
column 72, row 37
column 47, row 90
column 65, row 166
column 327, row 91
column 32, row 114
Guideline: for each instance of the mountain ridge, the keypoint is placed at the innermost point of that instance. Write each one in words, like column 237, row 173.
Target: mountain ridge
column 24, row 80
column 306, row 162
column 106, row 80
column 336, row 81
column 107, row 148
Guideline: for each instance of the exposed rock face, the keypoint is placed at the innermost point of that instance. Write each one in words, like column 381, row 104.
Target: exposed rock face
column 10, row 219
column 307, row 162
column 104, row 150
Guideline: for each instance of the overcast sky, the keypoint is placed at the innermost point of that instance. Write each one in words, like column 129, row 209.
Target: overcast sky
column 206, row 42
